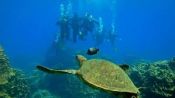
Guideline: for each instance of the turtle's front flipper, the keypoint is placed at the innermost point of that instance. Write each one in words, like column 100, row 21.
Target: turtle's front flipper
column 54, row 71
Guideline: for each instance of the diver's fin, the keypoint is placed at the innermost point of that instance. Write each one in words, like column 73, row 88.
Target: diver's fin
column 125, row 67
column 55, row 71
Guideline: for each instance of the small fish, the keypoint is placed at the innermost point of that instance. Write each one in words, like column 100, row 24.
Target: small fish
column 92, row 51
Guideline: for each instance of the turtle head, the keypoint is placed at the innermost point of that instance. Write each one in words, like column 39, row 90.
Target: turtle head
column 80, row 59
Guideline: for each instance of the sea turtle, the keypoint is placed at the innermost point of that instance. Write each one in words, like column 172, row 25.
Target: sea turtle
column 101, row 74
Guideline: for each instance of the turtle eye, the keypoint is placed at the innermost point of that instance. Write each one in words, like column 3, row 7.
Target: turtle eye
column 76, row 56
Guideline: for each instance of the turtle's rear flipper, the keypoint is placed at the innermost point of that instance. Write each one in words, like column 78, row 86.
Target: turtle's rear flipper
column 54, row 71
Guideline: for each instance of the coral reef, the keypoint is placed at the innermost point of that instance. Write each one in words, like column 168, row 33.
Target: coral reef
column 4, row 95
column 172, row 63
column 43, row 94
column 157, row 79
column 13, row 83
column 5, row 70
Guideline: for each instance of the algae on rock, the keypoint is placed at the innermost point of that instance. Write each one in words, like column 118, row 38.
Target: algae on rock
column 5, row 71
column 158, row 78
column 13, row 83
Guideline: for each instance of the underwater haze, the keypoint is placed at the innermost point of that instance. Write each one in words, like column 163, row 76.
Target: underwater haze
column 146, row 27
column 29, row 29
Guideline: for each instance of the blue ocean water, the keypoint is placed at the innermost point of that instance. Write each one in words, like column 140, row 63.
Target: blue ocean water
column 145, row 29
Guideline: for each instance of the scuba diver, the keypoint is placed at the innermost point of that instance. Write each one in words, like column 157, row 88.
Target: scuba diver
column 63, row 24
column 112, row 34
column 91, row 23
column 88, row 25
column 99, row 36
column 75, row 25
column 64, row 28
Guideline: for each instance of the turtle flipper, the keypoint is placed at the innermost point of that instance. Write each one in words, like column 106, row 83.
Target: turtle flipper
column 54, row 71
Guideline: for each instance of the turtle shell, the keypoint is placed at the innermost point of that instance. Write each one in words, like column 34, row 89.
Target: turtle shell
column 106, row 75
